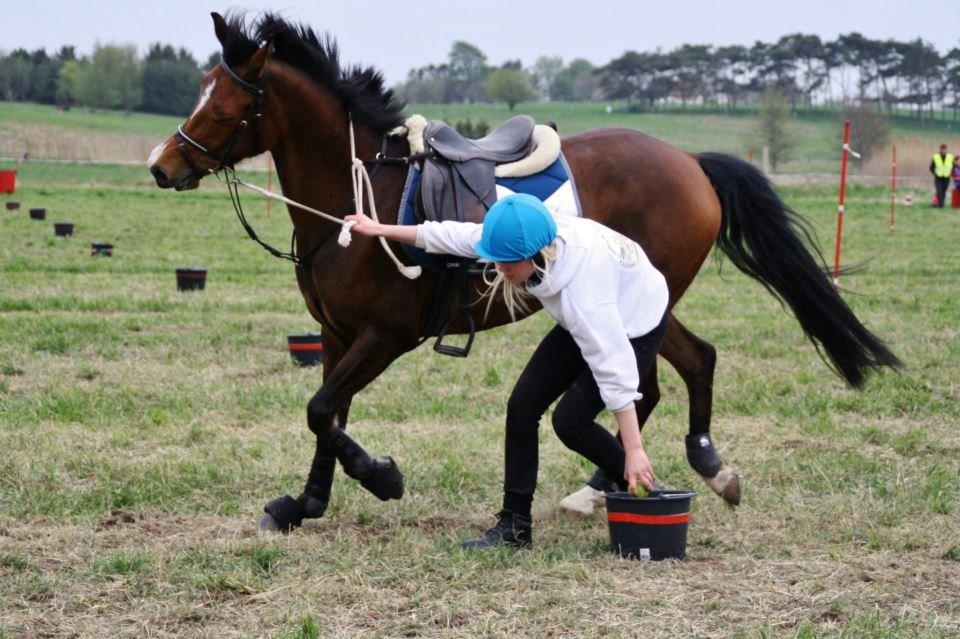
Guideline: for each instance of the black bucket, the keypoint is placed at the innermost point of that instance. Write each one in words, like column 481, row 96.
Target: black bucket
column 101, row 248
column 306, row 349
column 13, row 206
column 38, row 214
column 652, row 527
column 191, row 279
column 63, row 229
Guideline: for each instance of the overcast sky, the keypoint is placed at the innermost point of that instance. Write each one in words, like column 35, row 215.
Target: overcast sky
column 396, row 36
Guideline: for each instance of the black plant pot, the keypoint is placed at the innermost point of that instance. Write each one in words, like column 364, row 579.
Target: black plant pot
column 306, row 349
column 38, row 214
column 63, row 229
column 13, row 206
column 191, row 279
column 100, row 248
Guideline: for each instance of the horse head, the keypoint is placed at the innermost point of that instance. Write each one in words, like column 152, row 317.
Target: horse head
column 225, row 126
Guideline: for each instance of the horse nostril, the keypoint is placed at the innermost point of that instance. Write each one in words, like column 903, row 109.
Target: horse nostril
column 158, row 175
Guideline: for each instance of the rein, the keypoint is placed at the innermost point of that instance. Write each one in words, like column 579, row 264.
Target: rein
column 358, row 174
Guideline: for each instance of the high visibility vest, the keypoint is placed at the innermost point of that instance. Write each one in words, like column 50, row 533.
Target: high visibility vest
column 942, row 166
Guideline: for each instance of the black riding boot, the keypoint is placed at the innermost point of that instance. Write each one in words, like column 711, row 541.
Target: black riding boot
column 512, row 529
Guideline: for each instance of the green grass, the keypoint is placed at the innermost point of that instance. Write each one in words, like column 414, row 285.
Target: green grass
column 96, row 120
column 142, row 430
column 817, row 134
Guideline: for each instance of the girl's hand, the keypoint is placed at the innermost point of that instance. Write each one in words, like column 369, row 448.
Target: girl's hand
column 364, row 225
column 637, row 468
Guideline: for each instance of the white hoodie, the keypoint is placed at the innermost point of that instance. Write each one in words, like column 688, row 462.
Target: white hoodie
column 601, row 288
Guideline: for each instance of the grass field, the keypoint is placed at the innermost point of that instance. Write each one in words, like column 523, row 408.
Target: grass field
column 80, row 134
column 142, row 430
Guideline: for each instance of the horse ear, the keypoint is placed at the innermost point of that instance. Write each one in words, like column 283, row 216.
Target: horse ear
column 219, row 27
column 258, row 60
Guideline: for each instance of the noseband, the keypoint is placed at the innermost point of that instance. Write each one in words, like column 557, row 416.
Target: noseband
column 254, row 112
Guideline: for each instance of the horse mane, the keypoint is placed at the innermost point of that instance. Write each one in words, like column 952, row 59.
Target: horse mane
column 360, row 89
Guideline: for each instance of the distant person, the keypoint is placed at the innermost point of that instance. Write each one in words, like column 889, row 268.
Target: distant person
column 941, row 166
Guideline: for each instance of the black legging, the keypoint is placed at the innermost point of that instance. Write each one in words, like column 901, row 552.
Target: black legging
column 941, row 184
column 558, row 368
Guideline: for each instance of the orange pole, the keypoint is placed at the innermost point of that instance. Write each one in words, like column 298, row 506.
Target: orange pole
column 893, row 191
column 269, row 180
column 843, row 194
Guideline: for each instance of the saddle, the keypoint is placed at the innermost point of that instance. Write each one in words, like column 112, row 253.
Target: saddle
column 458, row 177
column 455, row 178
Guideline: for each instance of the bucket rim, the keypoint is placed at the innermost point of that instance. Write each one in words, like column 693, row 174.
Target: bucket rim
column 652, row 496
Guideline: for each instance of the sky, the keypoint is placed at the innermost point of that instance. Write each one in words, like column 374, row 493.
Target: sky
column 397, row 36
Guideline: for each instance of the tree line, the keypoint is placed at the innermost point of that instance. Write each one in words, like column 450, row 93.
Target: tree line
column 894, row 76
column 805, row 70
column 111, row 77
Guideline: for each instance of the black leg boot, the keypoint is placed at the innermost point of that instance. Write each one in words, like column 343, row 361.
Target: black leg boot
column 380, row 476
column 512, row 530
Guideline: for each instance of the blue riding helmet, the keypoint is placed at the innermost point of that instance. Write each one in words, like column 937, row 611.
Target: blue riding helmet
column 515, row 229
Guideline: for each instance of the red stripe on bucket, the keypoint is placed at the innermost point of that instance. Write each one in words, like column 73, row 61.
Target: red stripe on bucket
column 306, row 347
column 652, row 520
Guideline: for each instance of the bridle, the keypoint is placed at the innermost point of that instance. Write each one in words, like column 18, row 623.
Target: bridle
column 362, row 184
column 253, row 112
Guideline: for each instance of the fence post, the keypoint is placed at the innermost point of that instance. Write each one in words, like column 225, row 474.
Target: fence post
column 269, row 179
column 893, row 191
column 843, row 193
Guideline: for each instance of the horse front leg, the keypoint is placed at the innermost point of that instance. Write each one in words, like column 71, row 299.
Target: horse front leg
column 360, row 364
column 316, row 493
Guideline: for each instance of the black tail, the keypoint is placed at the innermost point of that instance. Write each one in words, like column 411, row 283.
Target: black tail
column 764, row 238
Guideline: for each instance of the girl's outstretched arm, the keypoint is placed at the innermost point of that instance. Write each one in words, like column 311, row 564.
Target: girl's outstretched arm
column 366, row 226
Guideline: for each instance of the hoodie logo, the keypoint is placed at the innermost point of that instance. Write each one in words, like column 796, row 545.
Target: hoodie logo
column 623, row 249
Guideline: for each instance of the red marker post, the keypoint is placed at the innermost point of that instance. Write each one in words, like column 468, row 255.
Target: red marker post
column 843, row 194
column 893, row 191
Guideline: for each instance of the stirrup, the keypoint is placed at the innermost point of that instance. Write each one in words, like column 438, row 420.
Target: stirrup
column 449, row 349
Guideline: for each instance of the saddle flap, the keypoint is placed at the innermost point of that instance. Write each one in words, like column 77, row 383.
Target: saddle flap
column 462, row 192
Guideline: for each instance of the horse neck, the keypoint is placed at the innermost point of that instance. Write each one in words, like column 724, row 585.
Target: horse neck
column 311, row 149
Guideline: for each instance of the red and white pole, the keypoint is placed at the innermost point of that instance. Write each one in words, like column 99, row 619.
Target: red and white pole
column 843, row 194
column 893, row 191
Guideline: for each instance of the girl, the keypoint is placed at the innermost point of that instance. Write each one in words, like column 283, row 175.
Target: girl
column 610, row 304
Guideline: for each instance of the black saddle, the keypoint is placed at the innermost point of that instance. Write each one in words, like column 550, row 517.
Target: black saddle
column 507, row 143
column 458, row 176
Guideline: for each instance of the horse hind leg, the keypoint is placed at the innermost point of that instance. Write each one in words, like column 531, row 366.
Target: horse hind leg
column 695, row 359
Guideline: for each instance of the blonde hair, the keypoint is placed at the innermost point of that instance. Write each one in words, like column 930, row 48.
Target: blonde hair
column 515, row 296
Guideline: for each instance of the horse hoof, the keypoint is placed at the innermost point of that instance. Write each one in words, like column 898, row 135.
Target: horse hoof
column 386, row 480
column 726, row 484
column 731, row 493
column 270, row 525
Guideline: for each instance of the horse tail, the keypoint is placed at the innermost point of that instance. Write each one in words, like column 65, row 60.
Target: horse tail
column 769, row 241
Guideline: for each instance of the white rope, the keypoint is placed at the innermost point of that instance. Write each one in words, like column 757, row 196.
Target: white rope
column 361, row 183
column 361, row 180
column 344, row 238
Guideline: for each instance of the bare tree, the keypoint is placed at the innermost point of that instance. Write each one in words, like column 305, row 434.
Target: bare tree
column 773, row 127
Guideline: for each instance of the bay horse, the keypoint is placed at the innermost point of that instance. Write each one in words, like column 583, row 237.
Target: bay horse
column 281, row 88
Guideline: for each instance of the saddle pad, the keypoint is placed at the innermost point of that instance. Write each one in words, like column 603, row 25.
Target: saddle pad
column 554, row 185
